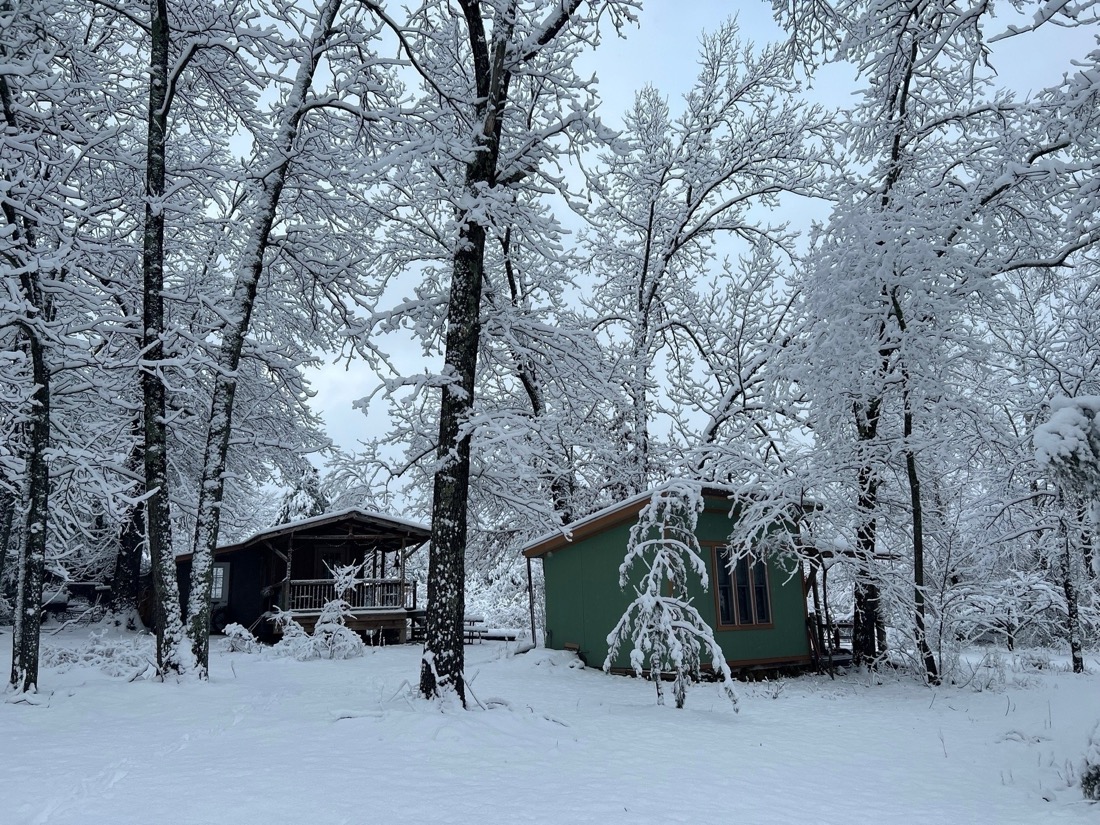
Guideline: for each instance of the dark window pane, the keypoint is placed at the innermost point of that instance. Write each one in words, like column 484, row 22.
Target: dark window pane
column 760, row 592
column 744, row 593
column 219, row 582
column 725, row 587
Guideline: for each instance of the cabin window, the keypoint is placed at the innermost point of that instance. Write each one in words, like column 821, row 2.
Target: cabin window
column 219, row 592
column 744, row 597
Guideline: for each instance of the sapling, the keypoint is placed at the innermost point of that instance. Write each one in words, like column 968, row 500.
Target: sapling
column 664, row 629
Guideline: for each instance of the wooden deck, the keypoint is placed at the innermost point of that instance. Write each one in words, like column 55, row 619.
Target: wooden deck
column 380, row 607
column 376, row 626
column 310, row 595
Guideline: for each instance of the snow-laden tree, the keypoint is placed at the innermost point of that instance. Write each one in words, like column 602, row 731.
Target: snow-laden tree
column 957, row 184
column 88, row 99
column 54, row 133
column 191, row 55
column 1090, row 771
column 1067, row 444
column 1044, row 345
column 673, row 191
column 303, row 143
column 332, row 638
column 304, row 500
column 666, row 635
column 498, row 101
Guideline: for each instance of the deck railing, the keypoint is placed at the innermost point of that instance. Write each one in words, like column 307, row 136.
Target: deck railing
column 310, row 595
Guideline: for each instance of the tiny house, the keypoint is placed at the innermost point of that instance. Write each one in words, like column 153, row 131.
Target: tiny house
column 288, row 566
column 757, row 610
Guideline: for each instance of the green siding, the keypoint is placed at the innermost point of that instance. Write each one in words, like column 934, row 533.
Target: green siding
column 584, row 600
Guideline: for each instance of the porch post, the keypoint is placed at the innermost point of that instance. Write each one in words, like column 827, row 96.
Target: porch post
column 401, row 553
column 286, row 582
column 531, row 601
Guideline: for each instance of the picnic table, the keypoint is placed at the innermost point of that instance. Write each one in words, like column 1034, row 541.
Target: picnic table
column 473, row 627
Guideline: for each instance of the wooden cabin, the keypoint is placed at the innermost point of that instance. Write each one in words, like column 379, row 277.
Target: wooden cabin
column 288, row 567
column 757, row 610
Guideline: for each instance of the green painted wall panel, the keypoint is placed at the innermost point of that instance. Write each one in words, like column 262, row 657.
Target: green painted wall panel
column 584, row 600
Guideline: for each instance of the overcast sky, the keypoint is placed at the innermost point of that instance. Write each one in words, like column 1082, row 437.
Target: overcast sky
column 663, row 52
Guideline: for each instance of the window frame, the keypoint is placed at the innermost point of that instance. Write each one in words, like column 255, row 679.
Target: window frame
column 223, row 598
column 717, row 551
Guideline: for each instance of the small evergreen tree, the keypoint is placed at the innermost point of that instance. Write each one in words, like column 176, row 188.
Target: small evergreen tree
column 332, row 638
column 304, row 501
column 665, row 631
column 1068, row 445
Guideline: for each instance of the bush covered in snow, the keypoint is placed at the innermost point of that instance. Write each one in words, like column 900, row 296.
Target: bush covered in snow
column 1090, row 776
column 1069, row 443
column 294, row 642
column 240, row 639
column 332, row 638
column 115, row 656
column 335, row 641
column 1090, row 782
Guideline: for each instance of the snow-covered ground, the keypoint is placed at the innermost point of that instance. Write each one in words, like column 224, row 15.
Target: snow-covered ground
column 279, row 741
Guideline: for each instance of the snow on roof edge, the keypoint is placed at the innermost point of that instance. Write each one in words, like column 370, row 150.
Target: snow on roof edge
column 327, row 516
column 566, row 530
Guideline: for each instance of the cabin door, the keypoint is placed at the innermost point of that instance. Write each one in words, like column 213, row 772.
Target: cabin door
column 326, row 560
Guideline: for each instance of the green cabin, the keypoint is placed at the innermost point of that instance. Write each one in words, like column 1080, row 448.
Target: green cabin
column 757, row 612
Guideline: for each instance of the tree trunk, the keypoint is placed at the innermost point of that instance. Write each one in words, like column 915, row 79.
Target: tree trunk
column 32, row 554
column 442, row 664
column 171, row 656
column 1070, row 579
column 638, row 390
column 917, row 514
column 28, row 605
column 212, row 487
column 930, row 670
column 126, row 582
column 7, row 511
column 865, row 614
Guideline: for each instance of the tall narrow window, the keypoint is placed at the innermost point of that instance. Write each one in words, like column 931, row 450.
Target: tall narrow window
column 743, row 594
column 219, row 592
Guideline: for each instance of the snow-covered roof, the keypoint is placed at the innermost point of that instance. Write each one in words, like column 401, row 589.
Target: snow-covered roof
column 395, row 523
column 336, row 515
column 612, row 514
column 622, row 510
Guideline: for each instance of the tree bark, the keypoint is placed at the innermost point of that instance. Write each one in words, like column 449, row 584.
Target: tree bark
column 7, row 506
column 171, row 655
column 126, row 582
column 212, row 487
column 442, row 664
column 865, row 614
column 1070, row 554
column 930, row 670
column 32, row 555
column 28, row 608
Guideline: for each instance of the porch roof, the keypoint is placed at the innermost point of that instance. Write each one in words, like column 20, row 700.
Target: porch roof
column 390, row 532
